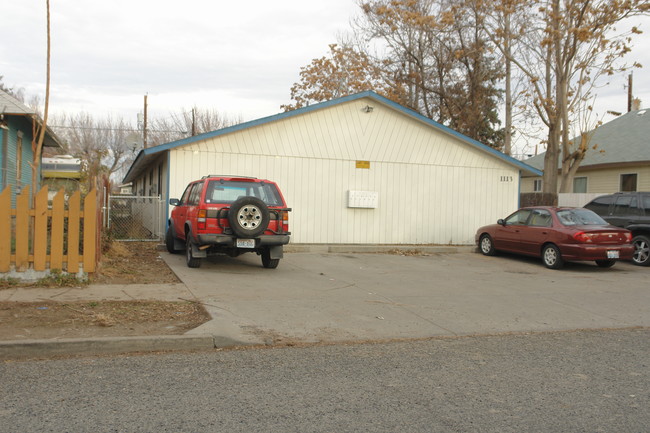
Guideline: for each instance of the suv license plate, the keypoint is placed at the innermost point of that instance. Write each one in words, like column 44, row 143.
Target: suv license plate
column 612, row 254
column 250, row 243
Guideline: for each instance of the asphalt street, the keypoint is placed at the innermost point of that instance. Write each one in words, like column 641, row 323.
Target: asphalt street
column 576, row 381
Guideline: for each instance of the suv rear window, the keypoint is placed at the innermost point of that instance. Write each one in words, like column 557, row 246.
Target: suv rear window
column 229, row 191
column 601, row 204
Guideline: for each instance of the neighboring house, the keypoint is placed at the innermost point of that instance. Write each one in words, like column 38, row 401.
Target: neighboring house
column 619, row 162
column 17, row 124
column 359, row 169
column 61, row 172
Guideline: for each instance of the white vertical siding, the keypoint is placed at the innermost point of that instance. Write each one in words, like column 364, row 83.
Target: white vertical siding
column 433, row 188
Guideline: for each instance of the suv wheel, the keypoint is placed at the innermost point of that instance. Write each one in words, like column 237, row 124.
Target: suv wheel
column 267, row 261
column 641, row 250
column 248, row 217
column 192, row 262
column 170, row 240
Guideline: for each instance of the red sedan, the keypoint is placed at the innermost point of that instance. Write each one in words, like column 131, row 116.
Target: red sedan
column 557, row 235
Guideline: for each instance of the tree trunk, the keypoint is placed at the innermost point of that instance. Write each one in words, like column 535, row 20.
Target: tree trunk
column 37, row 142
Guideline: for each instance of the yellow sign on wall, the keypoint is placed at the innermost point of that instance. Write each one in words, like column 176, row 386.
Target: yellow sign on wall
column 363, row 164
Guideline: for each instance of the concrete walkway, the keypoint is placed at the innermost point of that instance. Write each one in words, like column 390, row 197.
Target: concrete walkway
column 333, row 294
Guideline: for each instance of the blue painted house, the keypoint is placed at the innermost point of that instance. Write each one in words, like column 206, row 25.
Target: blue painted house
column 17, row 125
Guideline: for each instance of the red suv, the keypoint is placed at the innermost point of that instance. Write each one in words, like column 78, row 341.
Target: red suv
column 229, row 215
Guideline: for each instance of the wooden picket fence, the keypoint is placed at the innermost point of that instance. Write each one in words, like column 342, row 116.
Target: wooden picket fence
column 43, row 237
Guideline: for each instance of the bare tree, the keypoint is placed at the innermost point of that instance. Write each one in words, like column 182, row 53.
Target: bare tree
column 563, row 47
column 38, row 135
column 102, row 145
column 186, row 123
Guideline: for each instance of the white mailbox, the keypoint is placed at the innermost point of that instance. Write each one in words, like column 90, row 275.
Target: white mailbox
column 363, row 199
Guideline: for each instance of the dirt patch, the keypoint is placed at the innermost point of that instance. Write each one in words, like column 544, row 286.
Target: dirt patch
column 45, row 320
column 133, row 263
column 123, row 263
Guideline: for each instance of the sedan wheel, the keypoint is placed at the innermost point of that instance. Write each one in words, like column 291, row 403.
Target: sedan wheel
column 641, row 250
column 487, row 246
column 552, row 257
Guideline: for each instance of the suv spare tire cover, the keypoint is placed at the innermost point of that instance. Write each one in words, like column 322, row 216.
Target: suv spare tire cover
column 248, row 217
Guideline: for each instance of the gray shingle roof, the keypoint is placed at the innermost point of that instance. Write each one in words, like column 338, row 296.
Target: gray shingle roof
column 11, row 105
column 623, row 140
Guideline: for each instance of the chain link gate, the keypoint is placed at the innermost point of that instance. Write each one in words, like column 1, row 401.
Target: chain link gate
column 133, row 218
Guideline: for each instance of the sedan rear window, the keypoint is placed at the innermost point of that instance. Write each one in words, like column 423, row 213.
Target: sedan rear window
column 579, row 217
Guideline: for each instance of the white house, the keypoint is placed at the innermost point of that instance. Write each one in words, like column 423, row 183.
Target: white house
column 359, row 169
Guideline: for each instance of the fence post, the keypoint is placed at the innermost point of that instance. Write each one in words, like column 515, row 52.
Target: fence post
column 73, row 232
column 90, row 231
column 39, row 242
column 22, row 229
column 56, row 249
column 5, row 230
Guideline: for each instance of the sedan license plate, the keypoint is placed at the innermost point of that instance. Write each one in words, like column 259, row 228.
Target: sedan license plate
column 250, row 243
column 612, row 254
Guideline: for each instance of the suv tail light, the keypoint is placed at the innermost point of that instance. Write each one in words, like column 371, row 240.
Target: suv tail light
column 201, row 218
column 285, row 221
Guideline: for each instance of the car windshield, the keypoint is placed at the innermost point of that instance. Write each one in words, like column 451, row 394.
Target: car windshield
column 579, row 217
column 229, row 191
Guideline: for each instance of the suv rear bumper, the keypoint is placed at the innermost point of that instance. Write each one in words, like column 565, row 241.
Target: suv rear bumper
column 229, row 240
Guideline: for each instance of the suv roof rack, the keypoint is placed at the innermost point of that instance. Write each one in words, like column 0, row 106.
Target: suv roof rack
column 228, row 175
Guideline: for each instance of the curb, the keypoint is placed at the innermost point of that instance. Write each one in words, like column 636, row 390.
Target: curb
column 378, row 249
column 29, row 349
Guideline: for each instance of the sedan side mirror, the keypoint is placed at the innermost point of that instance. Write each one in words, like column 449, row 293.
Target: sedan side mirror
column 501, row 222
column 174, row 201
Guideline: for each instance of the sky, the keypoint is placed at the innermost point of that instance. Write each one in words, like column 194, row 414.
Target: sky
column 238, row 57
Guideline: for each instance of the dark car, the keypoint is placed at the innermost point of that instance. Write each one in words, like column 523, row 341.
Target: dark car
column 229, row 215
column 630, row 210
column 557, row 235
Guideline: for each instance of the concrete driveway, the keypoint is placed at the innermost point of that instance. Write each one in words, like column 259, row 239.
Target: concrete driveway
column 314, row 296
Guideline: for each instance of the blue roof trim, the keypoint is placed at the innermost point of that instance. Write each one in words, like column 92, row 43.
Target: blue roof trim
column 367, row 94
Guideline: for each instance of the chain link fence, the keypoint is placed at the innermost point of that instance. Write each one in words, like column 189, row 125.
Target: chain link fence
column 131, row 218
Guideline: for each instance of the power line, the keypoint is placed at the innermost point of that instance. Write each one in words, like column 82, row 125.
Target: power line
column 112, row 129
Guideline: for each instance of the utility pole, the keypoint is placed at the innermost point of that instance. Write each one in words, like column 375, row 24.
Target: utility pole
column 193, row 122
column 629, row 92
column 144, row 125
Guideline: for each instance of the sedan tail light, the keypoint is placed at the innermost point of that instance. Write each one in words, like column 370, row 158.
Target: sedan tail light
column 583, row 237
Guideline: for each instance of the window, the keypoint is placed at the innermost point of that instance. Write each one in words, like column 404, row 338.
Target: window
column 582, row 217
column 186, row 195
column 580, row 185
column 628, row 182
column 540, row 218
column 518, row 218
column 229, row 191
column 626, row 205
column 19, row 157
column 646, row 204
column 537, row 185
column 601, row 205
column 195, row 195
